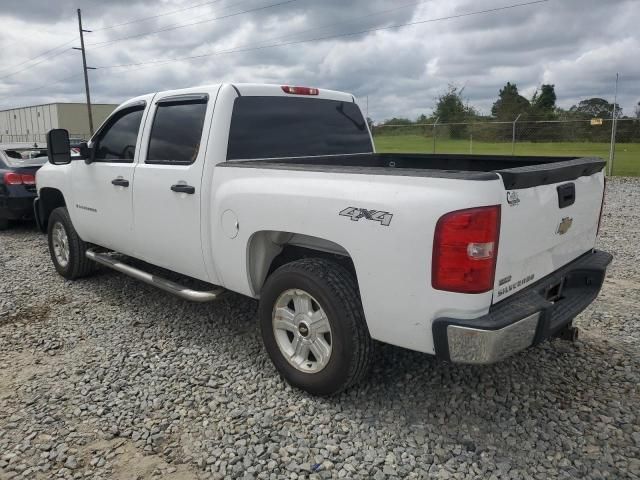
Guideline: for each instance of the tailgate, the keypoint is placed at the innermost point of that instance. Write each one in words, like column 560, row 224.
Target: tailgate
column 545, row 226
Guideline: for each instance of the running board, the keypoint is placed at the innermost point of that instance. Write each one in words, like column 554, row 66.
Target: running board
column 162, row 283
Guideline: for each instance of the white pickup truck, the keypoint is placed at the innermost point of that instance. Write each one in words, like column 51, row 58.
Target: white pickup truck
column 276, row 192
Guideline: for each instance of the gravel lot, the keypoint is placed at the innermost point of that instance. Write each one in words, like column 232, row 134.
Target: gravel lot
column 109, row 378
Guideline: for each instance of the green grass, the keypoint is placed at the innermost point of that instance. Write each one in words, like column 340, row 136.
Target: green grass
column 627, row 161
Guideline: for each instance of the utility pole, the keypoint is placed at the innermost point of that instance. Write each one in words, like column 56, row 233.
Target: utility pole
column 614, row 121
column 85, row 68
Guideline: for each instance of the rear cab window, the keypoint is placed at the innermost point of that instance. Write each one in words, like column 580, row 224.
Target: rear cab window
column 279, row 127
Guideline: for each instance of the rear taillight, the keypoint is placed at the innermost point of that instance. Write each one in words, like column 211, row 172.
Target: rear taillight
column 465, row 249
column 604, row 192
column 300, row 90
column 11, row 178
column 28, row 179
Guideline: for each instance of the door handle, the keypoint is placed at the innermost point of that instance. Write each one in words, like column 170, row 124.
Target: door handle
column 182, row 188
column 120, row 182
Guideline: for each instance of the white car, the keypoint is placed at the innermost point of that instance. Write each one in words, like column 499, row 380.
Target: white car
column 276, row 192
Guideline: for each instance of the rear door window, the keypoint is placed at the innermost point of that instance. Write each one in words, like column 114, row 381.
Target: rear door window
column 276, row 127
column 176, row 132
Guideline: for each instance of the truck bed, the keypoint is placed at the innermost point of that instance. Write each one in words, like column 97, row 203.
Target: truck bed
column 516, row 171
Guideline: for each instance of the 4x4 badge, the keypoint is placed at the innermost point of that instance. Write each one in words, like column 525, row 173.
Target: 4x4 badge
column 376, row 215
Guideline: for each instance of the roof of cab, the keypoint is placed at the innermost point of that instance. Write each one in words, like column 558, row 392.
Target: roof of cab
column 246, row 89
column 263, row 89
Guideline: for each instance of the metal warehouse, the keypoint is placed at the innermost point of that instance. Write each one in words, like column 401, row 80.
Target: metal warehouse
column 27, row 124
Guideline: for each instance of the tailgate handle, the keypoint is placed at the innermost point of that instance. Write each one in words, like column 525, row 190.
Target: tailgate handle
column 566, row 195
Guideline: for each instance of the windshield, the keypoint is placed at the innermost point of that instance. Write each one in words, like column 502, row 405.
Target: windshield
column 25, row 157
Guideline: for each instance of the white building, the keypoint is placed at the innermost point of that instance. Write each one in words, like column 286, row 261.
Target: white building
column 30, row 124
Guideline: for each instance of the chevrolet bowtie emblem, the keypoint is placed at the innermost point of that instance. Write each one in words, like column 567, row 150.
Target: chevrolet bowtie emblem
column 564, row 226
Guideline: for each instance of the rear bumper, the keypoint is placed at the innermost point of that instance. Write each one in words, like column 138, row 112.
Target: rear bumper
column 16, row 208
column 526, row 318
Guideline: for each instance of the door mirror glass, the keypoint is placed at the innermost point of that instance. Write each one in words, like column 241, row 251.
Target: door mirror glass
column 58, row 147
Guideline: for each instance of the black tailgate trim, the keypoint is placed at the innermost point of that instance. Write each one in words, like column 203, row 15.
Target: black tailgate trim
column 546, row 174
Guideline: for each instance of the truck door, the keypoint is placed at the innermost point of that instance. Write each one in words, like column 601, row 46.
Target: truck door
column 102, row 190
column 168, row 184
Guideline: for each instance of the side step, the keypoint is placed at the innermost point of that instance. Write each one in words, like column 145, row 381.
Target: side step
column 162, row 283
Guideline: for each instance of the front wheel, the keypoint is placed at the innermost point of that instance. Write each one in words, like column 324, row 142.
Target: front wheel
column 313, row 326
column 67, row 249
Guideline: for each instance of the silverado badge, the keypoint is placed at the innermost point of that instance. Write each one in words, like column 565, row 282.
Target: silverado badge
column 564, row 226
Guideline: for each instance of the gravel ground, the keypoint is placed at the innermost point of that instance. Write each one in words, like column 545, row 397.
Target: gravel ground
column 109, row 378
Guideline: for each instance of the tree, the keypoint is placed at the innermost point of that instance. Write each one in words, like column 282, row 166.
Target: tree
column 397, row 121
column 450, row 109
column 545, row 101
column 510, row 103
column 595, row 108
column 449, row 106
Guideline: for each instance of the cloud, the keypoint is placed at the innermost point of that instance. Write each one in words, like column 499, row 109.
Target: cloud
column 578, row 45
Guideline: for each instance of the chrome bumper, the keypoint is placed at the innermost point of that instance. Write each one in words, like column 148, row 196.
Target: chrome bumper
column 527, row 318
column 471, row 345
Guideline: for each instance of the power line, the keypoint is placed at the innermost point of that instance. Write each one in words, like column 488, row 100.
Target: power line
column 57, row 54
column 48, row 84
column 38, row 56
column 142, row 19
column 358, row 17
column 177, row 26
column 344, row 22
column 327, row 37
column 322, row 27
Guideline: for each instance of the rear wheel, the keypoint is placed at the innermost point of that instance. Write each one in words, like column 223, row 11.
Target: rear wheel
column 313, row 326
column 67, row 249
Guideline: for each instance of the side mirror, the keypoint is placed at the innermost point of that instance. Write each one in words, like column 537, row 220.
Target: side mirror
column 58, row 148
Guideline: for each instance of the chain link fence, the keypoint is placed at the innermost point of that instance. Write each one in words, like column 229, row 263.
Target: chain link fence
column 586, row 138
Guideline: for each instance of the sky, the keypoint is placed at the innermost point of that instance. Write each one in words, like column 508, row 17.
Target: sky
column 364, row 47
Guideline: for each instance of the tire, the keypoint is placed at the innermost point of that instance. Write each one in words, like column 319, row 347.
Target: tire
column 77, row 264
column 4, row 223
column 334, row 292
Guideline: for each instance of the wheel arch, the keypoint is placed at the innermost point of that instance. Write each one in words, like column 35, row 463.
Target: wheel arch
column 49, row 199
column 269, row 249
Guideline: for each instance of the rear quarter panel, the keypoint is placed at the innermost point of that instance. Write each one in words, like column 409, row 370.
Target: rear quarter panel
column 393, row 263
